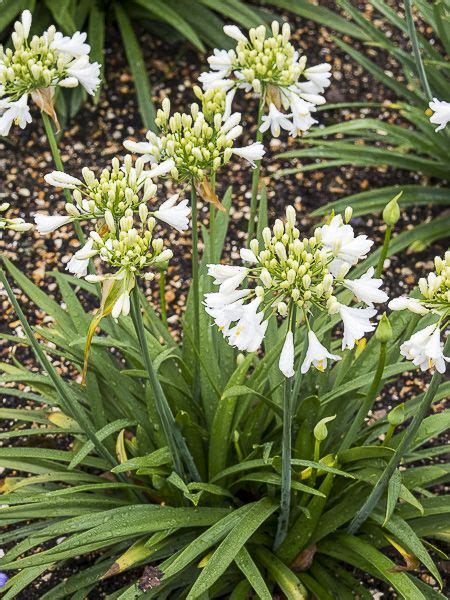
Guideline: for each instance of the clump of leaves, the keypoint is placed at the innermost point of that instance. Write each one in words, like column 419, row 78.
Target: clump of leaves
column 214, row 537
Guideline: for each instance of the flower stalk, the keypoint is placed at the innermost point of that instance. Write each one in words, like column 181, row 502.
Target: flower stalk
column 177, row 445
column 195, row 292
column 363, row 514
column 59, row 166
column 256, row 175
column 162, row 296
column 384, row 251
column 286, row 450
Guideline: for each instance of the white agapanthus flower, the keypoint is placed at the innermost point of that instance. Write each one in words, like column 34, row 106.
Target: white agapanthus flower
column 440, row 113
column 269, row 66
column 292, row 272
column 33, row 67
column 14, row 224
column 367, row 288
column 425, row 347
column 194, row 145
column 316, row 354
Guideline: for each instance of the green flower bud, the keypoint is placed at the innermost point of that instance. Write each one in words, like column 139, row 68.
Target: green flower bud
column 397, row 415
column 383, row 332
column 391, row 212
column 320, row 430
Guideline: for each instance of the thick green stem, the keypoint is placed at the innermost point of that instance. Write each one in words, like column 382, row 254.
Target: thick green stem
column 400, row 451
column 255, row 176
column 68, row 403
column 286, row 452
column 384, row 251
column 59, row 167
column 367, row 402
column 175, row 440
column 416, row 50
column 162, row 296
column 195, row 293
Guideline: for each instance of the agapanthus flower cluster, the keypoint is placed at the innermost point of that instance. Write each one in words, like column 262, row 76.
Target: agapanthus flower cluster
column 14, row 224
column 425, row 347
column 34, row 67
column 190, row 146
column 270, row 66
column 439, row 112
column 111, row 203
column 289, row 272
column 128, row 250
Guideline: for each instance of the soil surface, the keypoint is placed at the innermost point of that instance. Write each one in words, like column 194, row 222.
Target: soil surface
column 95, row 136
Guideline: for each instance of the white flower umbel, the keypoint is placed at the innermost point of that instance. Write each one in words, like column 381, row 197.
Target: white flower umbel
column 34, row 67
column 14, row 224
column 425, row 347
column 118, row 188
column 316, row 355
column 128, row 251
column 440, row 113
column 121, row 189
column 290, row 272
column 274, row 70
column 196, row 145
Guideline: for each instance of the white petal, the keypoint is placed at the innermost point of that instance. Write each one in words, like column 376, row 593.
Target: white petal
column 247, row 255
column 235, row 33
column 286, row 362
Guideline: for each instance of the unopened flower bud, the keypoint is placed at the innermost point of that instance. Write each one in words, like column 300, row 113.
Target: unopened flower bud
column 383, row 332
column 391, row 212
column 348, row 214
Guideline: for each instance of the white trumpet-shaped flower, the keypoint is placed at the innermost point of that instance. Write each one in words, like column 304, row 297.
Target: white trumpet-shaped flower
column 78, row 264
column 13, row 223
column 252, row 153
column 276, row 121
column 49, row 223
column 249, row 331
column 35, row 67
column 406, row 303
column 367, row 288
column 340, row 239
column 316, row 355
column 441, row 113
column 227, row 277
column 62, row 180
column 425, row 349
column 356, row 324
column 287, row 356
column 174, row 213
column 14, row 112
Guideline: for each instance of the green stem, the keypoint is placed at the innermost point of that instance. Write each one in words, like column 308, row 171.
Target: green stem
column 416, row 50
column 59, row 167
column 68, row 403
column 162, row 296
column 175, row 440
column 384, row 251
column 212, row 222
column 367, row 403
column 195, row 293
column 400, row 451
column 255, row 176
column 286, row 451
